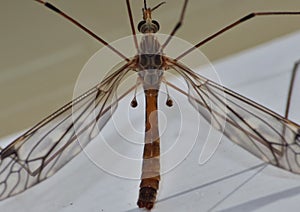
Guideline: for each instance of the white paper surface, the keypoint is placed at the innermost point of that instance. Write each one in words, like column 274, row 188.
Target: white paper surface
column 232, row 180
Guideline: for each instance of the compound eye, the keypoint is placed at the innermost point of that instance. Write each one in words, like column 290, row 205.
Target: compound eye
column 156, row 24
column 140, row 25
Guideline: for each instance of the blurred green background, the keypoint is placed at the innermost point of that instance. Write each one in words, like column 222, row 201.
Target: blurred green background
column 42, row 53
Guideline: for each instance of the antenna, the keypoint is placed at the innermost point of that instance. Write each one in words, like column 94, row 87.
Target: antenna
column 157, row 6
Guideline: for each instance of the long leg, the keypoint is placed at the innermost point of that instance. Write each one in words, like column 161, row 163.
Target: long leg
column 177, row 26
column 151, row 164
column 132, row 24
column 55, row 9
column 290, row 92
column 230, row 26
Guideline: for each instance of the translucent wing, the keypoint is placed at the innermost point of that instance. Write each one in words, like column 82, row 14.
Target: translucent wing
column 48, row 146
column 257, row 129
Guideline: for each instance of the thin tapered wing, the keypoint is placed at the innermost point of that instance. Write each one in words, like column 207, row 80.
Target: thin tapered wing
column 44, row 149
column 257, row 129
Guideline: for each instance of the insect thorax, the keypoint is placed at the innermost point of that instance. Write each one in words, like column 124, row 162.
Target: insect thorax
column 150, row 61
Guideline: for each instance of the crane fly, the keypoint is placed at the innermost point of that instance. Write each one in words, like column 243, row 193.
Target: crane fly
column 49, row 145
